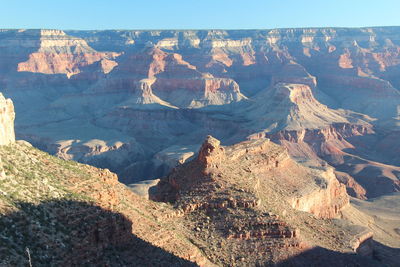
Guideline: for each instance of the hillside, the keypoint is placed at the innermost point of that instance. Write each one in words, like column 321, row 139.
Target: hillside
column 72, row 214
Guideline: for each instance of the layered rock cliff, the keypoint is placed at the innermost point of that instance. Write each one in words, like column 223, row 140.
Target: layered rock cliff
column 314, row 191
column 58, row 53
column 249, row 198
column 117, row 98
column 294, row 118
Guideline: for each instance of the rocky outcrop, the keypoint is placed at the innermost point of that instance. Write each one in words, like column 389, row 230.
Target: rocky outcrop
column 211, row 153
column 7, row 116
column 293, row 107
column 338, row 144
column 323, row 196
column 321, row 142
column 325, row 202
column 253, row 195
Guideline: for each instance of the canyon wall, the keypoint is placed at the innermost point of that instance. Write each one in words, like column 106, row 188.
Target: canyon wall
column 116, row 99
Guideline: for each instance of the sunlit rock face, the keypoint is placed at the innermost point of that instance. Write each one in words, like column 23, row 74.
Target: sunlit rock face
column 117, row 99
column 7, row 116
column 58, row 53
column 310, row 190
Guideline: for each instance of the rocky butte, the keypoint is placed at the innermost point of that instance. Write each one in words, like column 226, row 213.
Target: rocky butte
column 251, row 204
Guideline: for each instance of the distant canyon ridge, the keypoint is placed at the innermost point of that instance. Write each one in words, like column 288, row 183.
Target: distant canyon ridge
column 141, row 102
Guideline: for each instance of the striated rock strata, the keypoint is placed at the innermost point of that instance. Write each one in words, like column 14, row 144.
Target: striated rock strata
column 249, row 198
column 59, row 53
column 327, row 94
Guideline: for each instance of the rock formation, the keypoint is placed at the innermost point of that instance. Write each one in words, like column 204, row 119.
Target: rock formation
column 248, row 199
column 117, row 99
column 317, row 192
column 232, row 205
column 59, row 53
column 140, row 102
column 7, row 116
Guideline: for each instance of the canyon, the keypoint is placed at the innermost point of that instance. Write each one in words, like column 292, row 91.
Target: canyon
column 236, row 205
column 275, row 144
column 120, row 99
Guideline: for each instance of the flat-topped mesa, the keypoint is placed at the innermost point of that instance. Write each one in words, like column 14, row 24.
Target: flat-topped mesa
column 7, row 116
column 211, row 153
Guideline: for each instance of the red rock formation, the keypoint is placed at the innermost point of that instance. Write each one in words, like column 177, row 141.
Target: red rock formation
column 224, row 193
column 59, row 53
column 330, row 141
column 353, row 188
column 326, row 202
column 324, row 199
column 211, row 153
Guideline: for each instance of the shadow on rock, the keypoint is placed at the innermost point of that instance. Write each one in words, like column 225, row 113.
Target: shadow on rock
column 72, row 233
column 319, row 256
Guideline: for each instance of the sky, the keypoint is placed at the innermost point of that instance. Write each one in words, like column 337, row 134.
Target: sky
column 196, row 14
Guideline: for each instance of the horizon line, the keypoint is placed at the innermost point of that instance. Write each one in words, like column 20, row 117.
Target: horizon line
column 208, row 29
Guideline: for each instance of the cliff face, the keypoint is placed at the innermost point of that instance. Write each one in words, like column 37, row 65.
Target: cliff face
column 314, row 191
column 249, row 198
column 58, row 53
column 7, row 116
column 118, row 98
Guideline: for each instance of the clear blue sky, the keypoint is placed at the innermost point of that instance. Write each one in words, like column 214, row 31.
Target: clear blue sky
column 197, row 14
